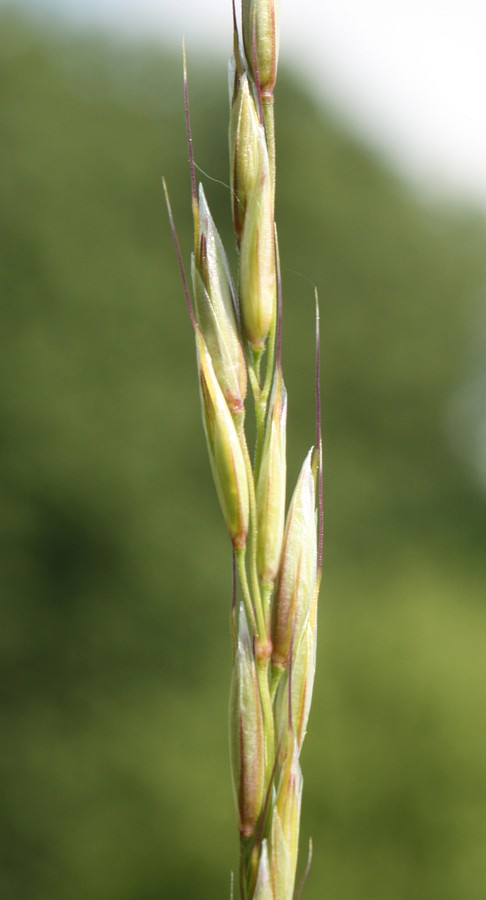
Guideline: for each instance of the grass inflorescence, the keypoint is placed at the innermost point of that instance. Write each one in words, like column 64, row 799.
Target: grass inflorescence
column 277, row 551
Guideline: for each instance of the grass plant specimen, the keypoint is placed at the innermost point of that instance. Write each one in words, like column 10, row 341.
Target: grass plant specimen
column 277, row 553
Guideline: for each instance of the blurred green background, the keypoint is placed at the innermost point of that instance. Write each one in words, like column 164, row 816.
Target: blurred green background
column 115, row 567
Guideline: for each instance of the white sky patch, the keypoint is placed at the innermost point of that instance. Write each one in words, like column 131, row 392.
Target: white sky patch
column 410, row 73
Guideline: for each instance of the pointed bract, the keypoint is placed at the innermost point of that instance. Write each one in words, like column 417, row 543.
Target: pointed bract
column 270, row 493
column 215, row 309
column 279, row 860
column 287, row 813
column 297, row 574
column 292, row 713
column 263, row 888
column 258, row 283
column 261, row 40
column 245, row 151
column 247, row 735
column 225, row 454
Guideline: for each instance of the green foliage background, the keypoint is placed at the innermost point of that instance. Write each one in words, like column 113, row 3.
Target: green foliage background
column 115, row 575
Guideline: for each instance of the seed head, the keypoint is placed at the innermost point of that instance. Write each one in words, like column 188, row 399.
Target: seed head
column 247, row 735
column 257, row 257
column 225, row 454
column 285, row 826
column 215, row 304
column 245, row 150
column 295, row 689
column 297, row 574
column 270, row 493
column 261, row 40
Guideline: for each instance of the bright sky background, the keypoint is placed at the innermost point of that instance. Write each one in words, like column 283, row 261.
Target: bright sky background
column 410, row 73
